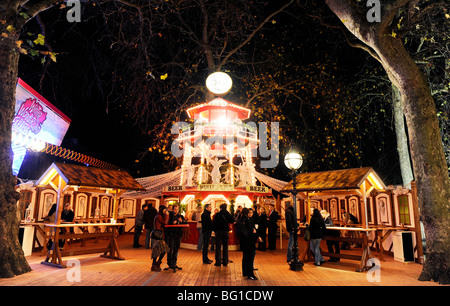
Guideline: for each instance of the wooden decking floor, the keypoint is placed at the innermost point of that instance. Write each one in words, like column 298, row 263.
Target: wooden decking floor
column 272, row 271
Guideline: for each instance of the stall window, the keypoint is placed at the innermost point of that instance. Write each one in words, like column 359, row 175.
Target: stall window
column 152, row 202
column 25, row 200
column 403, row 209
column 93, row 206
column 369, row 211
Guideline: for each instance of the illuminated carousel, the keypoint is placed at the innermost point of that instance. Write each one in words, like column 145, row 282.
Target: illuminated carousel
column 217, row 153
column 218, row 150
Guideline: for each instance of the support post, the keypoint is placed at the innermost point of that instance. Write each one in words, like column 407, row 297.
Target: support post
column 296, row 264
column 308, row 207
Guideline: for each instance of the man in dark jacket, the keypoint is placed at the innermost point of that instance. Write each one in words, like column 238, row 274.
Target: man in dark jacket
column 333, row 246
column 207, row 227
column 149, row 219
column 67, row 215
column 138, row 225
column 174, row 237
column 221, row 228
column 272, row 226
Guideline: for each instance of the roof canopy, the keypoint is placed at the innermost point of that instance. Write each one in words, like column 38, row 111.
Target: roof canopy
column 219, row 103
column 87, row 177
column 338, row 181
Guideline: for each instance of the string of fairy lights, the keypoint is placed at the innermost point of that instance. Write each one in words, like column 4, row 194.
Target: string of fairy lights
column 34, row 144
column 58, row 151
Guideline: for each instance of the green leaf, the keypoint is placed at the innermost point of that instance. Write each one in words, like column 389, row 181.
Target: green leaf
column 40, row 40
column 10, row 29
column 52, row 56
column 24, row 15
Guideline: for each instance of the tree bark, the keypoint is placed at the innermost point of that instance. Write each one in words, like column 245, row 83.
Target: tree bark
column 402, row 138
column 430, row 168
column 12, row 261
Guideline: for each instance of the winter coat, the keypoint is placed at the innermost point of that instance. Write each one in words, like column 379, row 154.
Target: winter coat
column 316, row 227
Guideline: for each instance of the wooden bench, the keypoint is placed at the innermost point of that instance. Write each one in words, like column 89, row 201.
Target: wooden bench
column 363, row 240
column 54, row 254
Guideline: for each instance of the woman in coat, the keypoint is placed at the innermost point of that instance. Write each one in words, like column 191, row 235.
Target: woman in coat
column 159, row 246
column 262, row 228
column 248, row 238
column 316, row 229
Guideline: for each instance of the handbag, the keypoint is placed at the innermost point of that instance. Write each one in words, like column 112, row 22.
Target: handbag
column 307, row 234
column 156, row 234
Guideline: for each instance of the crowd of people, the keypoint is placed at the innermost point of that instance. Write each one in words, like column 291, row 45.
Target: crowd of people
column 255, row 229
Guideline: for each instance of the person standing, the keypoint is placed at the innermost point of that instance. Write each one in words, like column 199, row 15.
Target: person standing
column 262, row 229
column 138, row 225
column 333, row 246
column 347, row 219
column 221, row 228
column 207, row 227
column 51, row 216
column 316, row 229
column 237, row 213
column 272, row 226
column 174, row 237
column 237, row 216
column 159, row 245
column 149, row 219
column 290, row 227
column 213, row 233
column 249, row 237
column 67, row 216
column 197, row 216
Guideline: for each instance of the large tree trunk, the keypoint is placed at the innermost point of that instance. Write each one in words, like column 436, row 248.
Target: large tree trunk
column 430, row 168
column 12, row 259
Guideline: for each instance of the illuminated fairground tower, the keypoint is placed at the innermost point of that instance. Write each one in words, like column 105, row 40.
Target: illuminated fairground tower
column 218, row 152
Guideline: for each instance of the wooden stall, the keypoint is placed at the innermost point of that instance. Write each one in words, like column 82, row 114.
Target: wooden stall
column 64, row 178
column 380, row 210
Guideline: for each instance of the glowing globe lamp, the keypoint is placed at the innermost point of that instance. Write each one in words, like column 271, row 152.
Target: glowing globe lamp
column 219, row 83
column 293, row 160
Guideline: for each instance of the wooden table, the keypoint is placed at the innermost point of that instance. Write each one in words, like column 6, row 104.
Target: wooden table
column 54, row 254
column 364, row 241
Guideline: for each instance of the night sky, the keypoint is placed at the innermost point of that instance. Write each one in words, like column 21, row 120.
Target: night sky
column 80, row 84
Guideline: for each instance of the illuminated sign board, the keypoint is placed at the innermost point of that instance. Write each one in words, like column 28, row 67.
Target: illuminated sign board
column 38, row 118
column 260, row 189
column 35, row 120
column 215, row 187
column 174, row 188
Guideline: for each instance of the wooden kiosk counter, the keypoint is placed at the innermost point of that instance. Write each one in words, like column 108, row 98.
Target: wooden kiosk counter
column 67, row 177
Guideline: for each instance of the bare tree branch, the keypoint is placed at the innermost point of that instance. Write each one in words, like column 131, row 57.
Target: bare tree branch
column 225, row 59
column 34, row 7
